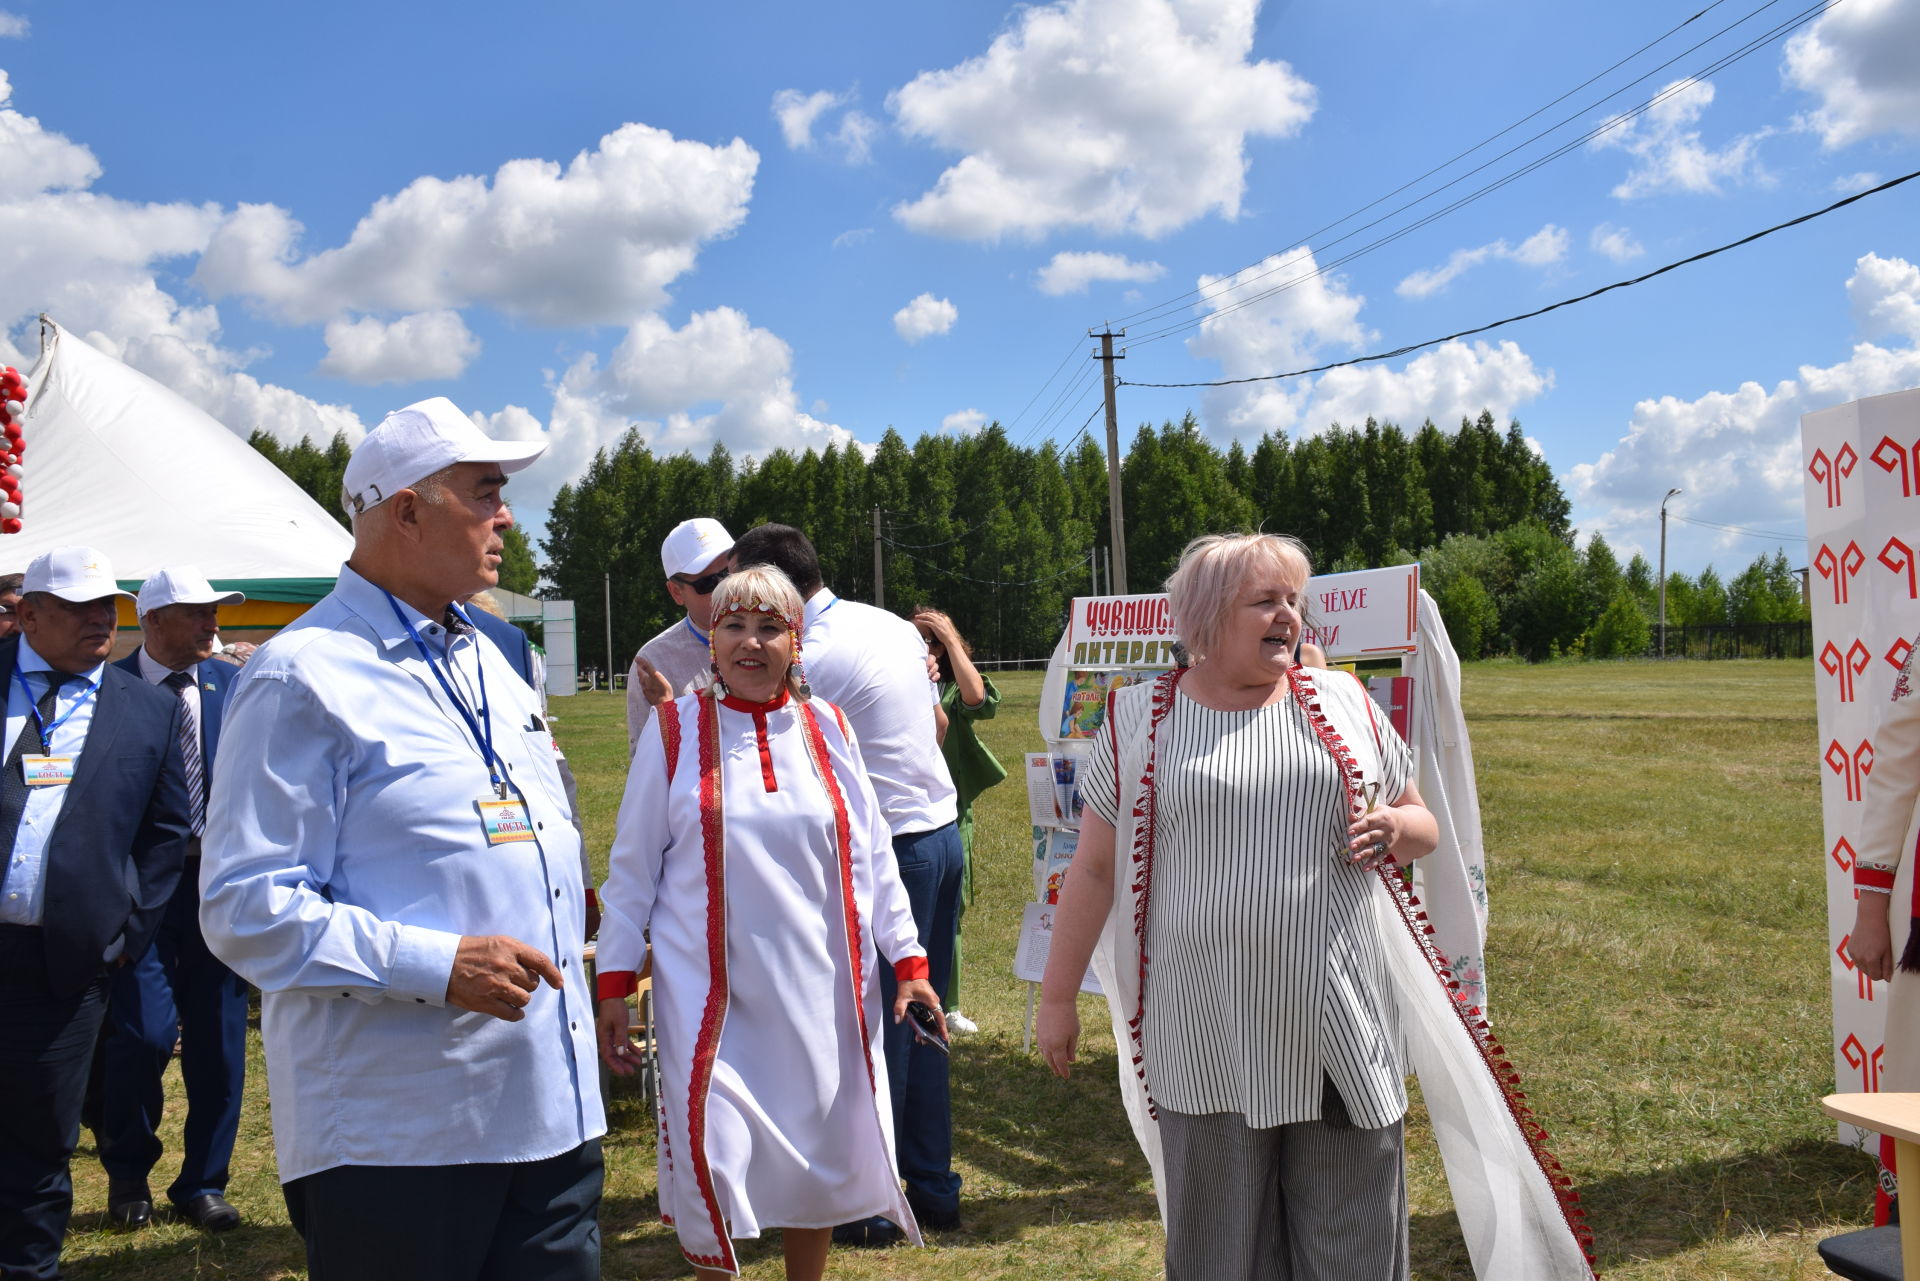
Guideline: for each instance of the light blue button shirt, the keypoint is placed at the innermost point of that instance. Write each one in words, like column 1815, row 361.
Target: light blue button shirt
column 23, row 887
column 342, row 862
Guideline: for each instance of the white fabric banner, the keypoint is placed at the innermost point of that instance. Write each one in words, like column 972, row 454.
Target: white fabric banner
column 1861, row 474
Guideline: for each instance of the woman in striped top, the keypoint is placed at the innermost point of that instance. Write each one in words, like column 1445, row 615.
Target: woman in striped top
column 1264, row 1034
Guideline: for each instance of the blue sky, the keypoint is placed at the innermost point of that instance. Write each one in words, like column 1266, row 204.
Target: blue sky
column 773, row 224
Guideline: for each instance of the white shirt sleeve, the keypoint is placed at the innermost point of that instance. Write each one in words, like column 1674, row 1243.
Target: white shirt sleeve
column 640, row 840
column 269, row 853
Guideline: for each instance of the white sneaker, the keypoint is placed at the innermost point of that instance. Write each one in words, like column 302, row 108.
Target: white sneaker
column 960, row 1025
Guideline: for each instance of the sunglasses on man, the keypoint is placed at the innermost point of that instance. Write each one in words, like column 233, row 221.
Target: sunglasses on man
column 703, row 585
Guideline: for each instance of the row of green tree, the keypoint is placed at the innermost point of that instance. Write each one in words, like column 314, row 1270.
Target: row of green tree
column 1001, row 536
column 1525, row 590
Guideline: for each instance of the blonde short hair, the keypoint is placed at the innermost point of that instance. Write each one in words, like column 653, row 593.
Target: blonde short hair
column 762, row 588
column 1214, row 569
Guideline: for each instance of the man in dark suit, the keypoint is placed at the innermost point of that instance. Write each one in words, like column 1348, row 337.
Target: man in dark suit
column 176, row 986
column 94, row 822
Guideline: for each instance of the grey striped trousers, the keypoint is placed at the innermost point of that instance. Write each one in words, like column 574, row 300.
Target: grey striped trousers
column 1314, row 1201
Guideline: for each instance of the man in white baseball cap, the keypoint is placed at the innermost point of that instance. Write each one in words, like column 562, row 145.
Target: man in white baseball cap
column 419, row 441
column 177, row 989
column 390, row 857
column 93, row 825
column 695, row 556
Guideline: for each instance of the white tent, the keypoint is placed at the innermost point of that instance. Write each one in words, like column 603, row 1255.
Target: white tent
column 118, row 462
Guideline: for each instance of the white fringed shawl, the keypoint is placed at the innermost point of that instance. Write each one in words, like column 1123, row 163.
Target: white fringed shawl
column 1515, row 1206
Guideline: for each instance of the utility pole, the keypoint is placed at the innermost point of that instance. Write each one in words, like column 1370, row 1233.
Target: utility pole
column 607, row 584
column 1663, row 570
column 879, row 571
column 1117, row 520
column 1094, row 560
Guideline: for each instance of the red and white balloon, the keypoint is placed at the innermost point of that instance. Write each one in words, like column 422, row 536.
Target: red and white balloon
column 13, row 409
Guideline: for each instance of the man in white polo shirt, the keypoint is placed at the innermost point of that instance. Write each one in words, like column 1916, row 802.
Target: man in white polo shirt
column 872, row 665
column 694, row 554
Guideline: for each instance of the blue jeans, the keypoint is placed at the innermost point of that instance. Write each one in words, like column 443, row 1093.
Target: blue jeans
column 930, row 866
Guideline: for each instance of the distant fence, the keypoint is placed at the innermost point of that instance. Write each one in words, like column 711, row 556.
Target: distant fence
column 1737, row 640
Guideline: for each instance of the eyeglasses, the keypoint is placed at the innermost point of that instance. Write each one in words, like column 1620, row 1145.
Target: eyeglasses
column 703, row 585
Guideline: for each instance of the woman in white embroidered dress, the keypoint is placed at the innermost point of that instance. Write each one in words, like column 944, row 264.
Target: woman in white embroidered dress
column 751, row 847
column 1260, row 1023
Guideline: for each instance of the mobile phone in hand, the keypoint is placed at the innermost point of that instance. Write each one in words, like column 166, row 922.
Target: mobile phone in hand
column 926, row 1027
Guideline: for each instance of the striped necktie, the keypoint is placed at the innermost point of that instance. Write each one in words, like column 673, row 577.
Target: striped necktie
column 190, row 750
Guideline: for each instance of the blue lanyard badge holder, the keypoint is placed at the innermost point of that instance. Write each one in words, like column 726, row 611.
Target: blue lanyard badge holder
column 45, row 769
column 503, row 818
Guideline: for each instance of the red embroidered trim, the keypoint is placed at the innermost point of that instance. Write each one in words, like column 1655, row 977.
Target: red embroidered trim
column 767, row 780
column 773, row 704
column 669, row 714
column 1142, row 854
column 615, row 985
column 706, row 1046
column 1873, row 878
column 909, row 968
column 843, row 855
column 1493, row 1055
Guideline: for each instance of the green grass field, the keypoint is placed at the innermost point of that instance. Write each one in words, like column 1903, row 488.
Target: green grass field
column 1656, row 966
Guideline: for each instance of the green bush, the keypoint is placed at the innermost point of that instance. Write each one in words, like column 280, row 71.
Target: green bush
column 1622, row 630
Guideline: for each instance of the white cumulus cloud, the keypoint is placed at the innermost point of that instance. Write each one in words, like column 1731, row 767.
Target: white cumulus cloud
column 1313, row 315
column 14, row 26
column 1736, row 453
column 1616, row 243
column 1668, row 152
column 89, row 261
column 1071, row 273
column 1113, row 115
column 798, row 113
column 717, row 377
column 1453, row 381
column 598, row 240
column 1859, row 58
column 963, row 423
column 431, row 344
column 1543, row 248
column 925, row 317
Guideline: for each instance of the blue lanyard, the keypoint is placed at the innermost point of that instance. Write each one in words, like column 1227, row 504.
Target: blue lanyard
column 481, row 728
column 704, row 641
column 33, row 709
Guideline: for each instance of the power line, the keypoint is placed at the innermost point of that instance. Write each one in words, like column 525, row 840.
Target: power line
column 1155, row 311
column 1043, row 386
column 1736, row 529
column 1541, row 311
column 1230, row 283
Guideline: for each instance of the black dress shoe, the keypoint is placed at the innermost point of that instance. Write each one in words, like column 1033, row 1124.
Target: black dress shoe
column 875, row 1233
column 210, row 1210
column 129, row 1202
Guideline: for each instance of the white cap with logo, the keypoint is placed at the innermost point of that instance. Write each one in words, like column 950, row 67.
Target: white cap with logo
column 692, row 545
column 412, row 444
column 181, row 585
column 73, row 574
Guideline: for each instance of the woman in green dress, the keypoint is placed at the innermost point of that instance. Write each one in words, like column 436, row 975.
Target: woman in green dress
column 966, row 696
